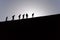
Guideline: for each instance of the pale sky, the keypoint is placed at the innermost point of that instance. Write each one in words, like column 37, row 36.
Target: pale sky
column 39, row 7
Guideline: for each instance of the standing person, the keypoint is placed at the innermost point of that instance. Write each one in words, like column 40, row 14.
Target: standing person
column 23, row 16
column 6, row 18
column 26, row 15
column 33, row 15
column 13, row 17
column 19, row 16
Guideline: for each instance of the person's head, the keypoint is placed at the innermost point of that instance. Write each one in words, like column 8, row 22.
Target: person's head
column 20, row 15
column 33, row 13
column 13, row 15
column 23, row 14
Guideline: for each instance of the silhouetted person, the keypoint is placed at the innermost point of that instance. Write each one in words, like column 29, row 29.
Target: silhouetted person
column 33, row 15
column 19, row 16
column 26, row 15
column 13, row 17
column 23, row 16
column 6, row 18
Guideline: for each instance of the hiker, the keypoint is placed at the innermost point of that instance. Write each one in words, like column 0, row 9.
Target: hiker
column 33, row 15
column 23, row 16
column 13, row 17
column 19, row 16
column 6, row 18
column 26, row 15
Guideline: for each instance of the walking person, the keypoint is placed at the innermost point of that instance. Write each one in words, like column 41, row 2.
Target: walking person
column 13, row 17
column 23, row 16
column 6, row 18
column 26, row 15
column 32, row 15
column 19, row 16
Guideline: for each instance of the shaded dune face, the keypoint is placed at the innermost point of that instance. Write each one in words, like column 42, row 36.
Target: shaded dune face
column 38, row 7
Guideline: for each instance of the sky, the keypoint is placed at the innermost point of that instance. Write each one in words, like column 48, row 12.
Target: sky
column 38, row 7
